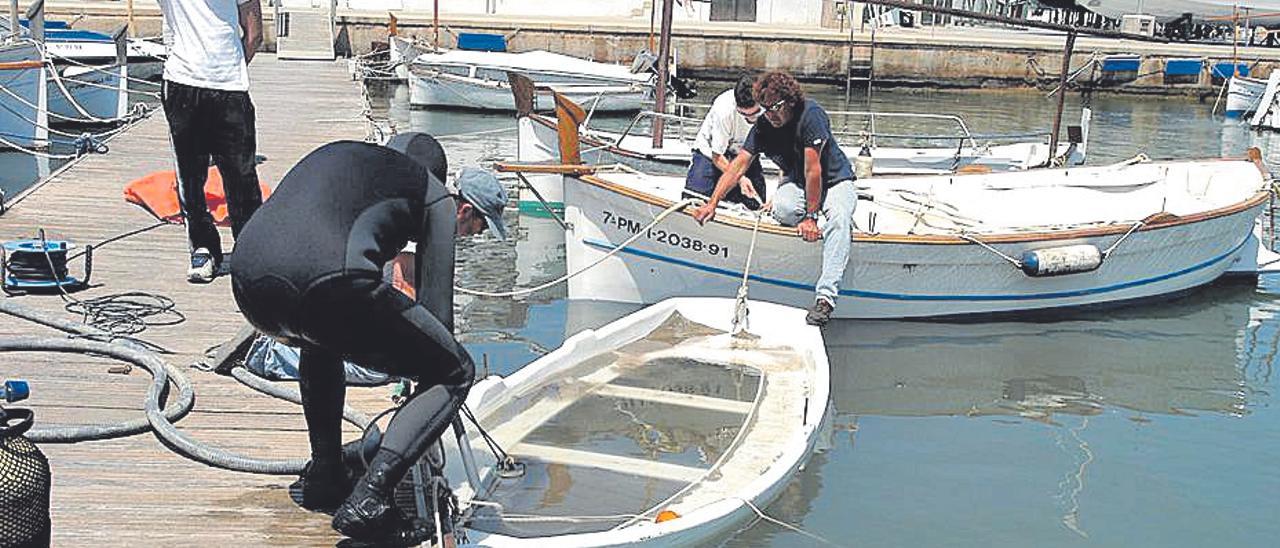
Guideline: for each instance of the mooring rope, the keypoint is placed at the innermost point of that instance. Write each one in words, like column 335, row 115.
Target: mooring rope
column 740, row 310
column 617, row 249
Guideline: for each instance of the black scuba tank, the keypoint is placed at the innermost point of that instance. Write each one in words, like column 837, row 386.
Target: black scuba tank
column 24, row 477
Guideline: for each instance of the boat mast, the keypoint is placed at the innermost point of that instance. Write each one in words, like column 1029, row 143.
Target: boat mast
column 1070, row 30
column 15, row 28
column 660, row 87
column 1062, row 94
column 435, row 23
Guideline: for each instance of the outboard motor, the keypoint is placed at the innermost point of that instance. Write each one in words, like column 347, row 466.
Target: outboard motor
column 24, row 476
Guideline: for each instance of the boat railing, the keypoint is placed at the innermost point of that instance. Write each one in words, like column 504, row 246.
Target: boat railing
column 683, row 124
column 871, row 133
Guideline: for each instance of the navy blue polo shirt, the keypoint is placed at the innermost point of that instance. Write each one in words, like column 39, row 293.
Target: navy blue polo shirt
column 809, row 128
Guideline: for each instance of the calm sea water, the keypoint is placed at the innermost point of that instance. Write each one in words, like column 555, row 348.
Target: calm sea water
column 1155, row 425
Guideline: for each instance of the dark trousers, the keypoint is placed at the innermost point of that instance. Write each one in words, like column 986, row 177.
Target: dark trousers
column 703, row 175
column 217, row 125
column 370, row 323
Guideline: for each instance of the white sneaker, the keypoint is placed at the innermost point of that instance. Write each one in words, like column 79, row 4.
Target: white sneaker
column 203, row 267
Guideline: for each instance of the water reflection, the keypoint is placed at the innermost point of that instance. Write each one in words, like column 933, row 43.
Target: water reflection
column 1174, row 358
column 1021, row 433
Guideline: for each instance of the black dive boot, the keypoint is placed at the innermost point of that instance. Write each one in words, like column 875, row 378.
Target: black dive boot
column 370, row 518
column 322, row 487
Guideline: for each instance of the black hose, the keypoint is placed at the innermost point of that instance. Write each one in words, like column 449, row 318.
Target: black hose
column 158, row 420
column 161, row 372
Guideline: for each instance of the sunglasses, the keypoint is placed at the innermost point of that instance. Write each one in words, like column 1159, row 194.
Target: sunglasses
column 777, row 107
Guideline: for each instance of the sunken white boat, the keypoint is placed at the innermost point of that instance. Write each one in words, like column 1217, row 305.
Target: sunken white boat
column 929, row 246
column 659, row 429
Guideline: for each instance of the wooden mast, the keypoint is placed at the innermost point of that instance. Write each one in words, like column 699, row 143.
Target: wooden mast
column 660, row 87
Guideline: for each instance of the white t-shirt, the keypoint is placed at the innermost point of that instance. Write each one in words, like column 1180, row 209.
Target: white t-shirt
column 723, row 129
column 206, row 50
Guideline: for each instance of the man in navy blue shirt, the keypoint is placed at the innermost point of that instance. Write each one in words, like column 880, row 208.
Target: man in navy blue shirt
column 816, row 194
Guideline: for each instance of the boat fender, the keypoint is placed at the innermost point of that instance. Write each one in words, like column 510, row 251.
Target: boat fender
column 1057, row 261
column 863, row 163
column 665, row 515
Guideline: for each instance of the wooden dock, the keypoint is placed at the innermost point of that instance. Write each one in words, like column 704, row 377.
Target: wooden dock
column 133, row 491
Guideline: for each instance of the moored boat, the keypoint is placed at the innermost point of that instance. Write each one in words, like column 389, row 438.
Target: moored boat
column 659, row 429
column 1244, row 95
column 930, row 246
column 478, row 80
column 24, row 116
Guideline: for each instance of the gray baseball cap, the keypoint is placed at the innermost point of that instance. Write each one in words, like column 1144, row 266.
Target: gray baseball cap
column 482, row 190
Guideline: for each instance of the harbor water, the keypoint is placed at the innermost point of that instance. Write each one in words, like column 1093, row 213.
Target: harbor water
column 1151, row 425
column 1148, row 425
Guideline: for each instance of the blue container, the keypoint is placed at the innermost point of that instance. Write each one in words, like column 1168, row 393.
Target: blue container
column 1223, row 70
column 1183, row 67
column 475, row 41
column 1127, row 63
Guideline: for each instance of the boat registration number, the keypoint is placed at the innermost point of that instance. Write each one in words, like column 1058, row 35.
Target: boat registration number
column 663, row 236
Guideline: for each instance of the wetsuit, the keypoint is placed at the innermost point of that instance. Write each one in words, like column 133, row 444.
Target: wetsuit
column 308, row 270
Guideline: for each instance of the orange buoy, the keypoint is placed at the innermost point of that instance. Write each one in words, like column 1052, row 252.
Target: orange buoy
column 665, row 515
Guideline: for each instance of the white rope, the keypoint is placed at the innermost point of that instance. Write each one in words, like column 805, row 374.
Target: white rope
column 33, row 151
column 71, row 100
column 784, row 524
column 740, row 311
column 972, row 239
column 617, row 249
column 47, row 55
column 1132, row 229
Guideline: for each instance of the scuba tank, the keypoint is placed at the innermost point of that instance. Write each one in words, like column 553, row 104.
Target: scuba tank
column 862, row 163
column 24, row 476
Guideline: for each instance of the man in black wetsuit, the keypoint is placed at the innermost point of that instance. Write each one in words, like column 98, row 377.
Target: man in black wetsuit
column 308, row 271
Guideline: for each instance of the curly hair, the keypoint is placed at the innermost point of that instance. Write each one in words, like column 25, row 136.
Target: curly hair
column 776, row 86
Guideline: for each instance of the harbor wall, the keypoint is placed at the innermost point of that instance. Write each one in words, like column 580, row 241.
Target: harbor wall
column 964, row 57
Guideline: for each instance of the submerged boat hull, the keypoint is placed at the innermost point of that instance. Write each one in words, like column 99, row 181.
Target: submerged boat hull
column 887, row 276
column 782, row 422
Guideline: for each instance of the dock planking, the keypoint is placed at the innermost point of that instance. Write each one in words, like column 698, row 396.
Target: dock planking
column 133, row 491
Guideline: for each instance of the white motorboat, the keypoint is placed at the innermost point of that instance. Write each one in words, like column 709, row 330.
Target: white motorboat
column 478, row 80
column 659, row 429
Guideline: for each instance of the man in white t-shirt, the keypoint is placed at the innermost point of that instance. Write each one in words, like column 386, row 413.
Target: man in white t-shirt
column 206, row 100
column 721, row 135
